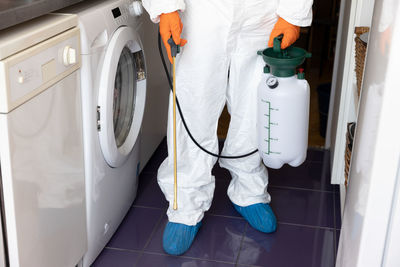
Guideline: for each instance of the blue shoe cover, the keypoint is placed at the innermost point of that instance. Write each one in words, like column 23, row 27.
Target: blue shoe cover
column 260, row 216
column 178, row 237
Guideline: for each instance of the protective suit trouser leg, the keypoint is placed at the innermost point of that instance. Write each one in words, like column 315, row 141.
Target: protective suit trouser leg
column 226, row 43
column 249, row 176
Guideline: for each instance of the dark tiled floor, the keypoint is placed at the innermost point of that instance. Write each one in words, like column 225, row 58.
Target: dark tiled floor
column 290, row 245
column 303, row 207
column 337, row 239
column 337, row 211
column 306, row 205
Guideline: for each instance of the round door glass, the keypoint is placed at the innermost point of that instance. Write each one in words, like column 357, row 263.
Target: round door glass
column 124, row 96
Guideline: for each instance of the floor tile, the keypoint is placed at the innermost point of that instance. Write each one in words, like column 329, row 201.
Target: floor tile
column 337, row 239
column 289, row 246
column 218, row 239
column 309, row 175
column 221, row 204
column 149, row 193
column 337, row 188
column 136, row 228
column 165, row 260
column 158, row 157
column 303, row 206
column 116, row 258
column 338, row 212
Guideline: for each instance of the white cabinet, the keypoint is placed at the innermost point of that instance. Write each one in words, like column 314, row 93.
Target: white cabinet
column 344, row 96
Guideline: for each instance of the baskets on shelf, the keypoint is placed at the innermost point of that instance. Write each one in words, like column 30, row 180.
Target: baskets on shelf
column 361, row 49
column 349, row 147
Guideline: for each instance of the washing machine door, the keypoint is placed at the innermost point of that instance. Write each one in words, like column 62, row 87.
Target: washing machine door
column 122, row 94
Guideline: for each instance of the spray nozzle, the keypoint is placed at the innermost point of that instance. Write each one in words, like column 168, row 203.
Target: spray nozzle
column 175, row 49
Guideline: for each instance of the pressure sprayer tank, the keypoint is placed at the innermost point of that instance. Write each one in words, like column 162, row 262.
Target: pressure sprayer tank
column 283, row 107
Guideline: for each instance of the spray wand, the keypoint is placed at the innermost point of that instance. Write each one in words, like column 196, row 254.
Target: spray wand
column 175, row 49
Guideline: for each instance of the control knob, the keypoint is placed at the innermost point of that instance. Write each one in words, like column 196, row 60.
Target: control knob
column 136, row 8
column 69, row 56
column 20, row 77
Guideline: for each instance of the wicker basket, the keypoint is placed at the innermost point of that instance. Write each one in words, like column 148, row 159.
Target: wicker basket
column 349, row 147
column 361, row 49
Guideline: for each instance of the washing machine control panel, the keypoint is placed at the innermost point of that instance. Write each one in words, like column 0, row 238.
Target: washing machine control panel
column 116, row 12
column 120, row 14
column 123, row 13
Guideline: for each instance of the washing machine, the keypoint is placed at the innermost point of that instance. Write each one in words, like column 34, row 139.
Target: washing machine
column 113, row 99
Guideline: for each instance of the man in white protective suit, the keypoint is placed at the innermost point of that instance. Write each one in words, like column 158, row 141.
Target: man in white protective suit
column 223, row 37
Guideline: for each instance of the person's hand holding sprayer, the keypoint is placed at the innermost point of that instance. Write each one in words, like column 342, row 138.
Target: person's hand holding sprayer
column 171, row 25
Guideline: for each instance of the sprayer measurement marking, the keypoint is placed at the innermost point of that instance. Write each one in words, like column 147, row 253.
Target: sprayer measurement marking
column 270, row 139
column 271, row 152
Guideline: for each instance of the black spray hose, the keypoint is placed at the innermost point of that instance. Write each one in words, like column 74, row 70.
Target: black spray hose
column 183, row 119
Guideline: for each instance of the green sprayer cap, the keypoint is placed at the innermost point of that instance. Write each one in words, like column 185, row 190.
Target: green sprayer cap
column 283, row 63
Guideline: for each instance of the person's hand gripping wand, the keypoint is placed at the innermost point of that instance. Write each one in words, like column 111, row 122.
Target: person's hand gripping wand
column 175, row 49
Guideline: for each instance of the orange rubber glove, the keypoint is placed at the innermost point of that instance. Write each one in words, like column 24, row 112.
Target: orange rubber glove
column 290, row 33
column 171, row 25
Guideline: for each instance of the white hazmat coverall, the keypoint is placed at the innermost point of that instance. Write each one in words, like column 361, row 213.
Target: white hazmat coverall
column 223, row 39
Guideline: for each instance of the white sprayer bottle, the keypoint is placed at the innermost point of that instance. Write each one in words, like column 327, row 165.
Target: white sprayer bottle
column 283, row 107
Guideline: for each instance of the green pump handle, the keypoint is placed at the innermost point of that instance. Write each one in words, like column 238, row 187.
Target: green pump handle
column 277, row 47
column 277, row 43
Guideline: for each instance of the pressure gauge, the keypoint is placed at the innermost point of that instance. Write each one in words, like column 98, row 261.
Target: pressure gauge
column 272, row 82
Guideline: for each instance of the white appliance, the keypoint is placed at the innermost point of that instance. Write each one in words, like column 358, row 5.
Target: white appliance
column 41, row 144
column 113, row 100
column 370, row 234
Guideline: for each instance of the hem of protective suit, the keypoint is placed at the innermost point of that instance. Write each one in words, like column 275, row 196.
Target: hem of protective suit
column 178, row 6
column 246, row 201
column 305, row 22
column 184, row 219
column 250, row 201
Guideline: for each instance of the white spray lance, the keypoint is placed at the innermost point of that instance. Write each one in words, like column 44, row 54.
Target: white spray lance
column 283, row 107
column 175, row 49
